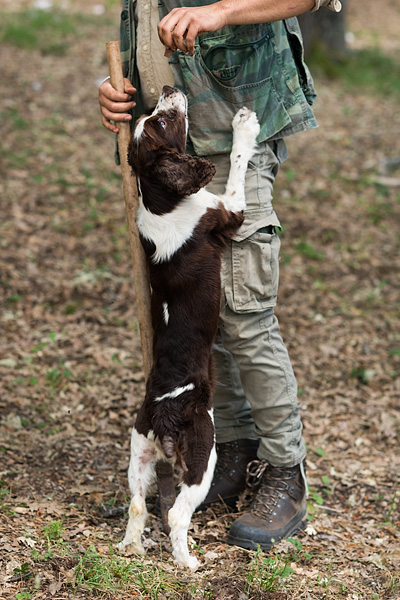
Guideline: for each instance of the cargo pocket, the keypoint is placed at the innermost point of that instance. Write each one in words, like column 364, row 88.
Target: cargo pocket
column 253, row 284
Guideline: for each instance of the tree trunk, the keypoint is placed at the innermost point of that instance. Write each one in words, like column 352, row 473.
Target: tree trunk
column 325, row 29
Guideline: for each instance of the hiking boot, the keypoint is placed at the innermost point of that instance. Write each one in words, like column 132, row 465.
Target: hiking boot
column 278, row 509
column 230, row 472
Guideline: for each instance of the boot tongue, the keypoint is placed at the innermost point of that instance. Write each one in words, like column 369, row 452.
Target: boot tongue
column 260, row 472
column 273, row 486
column 280, row 473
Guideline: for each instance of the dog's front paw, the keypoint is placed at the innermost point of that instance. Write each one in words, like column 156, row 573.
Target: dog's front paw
column 189, row 562
column 246, row 121
column 134, row 547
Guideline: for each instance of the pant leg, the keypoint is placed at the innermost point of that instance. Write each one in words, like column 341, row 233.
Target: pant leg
column 256, row 392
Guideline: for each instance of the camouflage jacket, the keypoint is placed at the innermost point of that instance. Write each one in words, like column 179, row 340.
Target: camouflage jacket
column 259, row 66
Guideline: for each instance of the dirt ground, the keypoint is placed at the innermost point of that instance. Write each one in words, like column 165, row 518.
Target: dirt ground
column 70, row 363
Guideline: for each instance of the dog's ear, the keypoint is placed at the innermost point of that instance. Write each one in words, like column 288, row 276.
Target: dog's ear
column 184, row 173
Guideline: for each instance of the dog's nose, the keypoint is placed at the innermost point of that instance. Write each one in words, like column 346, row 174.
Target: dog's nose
column 168, row 90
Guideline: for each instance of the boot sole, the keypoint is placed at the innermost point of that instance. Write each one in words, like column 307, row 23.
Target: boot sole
column 249, row 544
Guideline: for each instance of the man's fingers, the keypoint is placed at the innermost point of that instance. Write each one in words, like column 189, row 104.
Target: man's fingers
column 106, row 123
column 115, row 98
column 115, row 116
column 190, row 38
column 106, row 90
column 166, row 28
column 114, row 105
column 181, row 26
column 180, row 31
column 128, row 87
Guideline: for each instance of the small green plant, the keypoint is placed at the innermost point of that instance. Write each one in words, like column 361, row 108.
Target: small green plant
column 388, row 516
column 394, row 352
column 4, row 492
column 290, row 175
column 314, row 500
column 300, row 553
column 362, row 374
column 13, row 299
column 198, row 549
column 24, row 571
column 315, row 496
column 57, row 377
column 3, row 489
column 325, row 582
column 24, row 595
column 328, row 485
column 38, row 348
column 15, row 117
column 54, row 531
column 320, row 452
column 267, row 572
column 306, row 249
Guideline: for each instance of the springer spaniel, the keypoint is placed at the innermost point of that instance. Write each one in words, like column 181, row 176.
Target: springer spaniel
column 183, row 229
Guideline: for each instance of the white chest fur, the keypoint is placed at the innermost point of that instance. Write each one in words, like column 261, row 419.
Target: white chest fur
column 170, row 231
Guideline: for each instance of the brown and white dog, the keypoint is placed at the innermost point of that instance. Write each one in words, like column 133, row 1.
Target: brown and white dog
column 183, row 229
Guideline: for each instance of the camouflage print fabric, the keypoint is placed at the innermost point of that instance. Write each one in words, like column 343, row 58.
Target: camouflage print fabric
column 128, row 51
column 260, row 66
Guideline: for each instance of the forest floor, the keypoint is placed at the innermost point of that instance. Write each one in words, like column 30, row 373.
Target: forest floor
column 71, row 374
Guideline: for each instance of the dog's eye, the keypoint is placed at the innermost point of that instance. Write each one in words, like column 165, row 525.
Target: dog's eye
column 162, row 123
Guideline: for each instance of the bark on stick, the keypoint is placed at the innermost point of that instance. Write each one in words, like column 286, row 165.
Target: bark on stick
column 140, row 269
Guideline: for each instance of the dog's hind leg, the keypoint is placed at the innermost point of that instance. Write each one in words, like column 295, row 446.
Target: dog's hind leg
column 245, row 131
column 180, row 514
column 141, row 475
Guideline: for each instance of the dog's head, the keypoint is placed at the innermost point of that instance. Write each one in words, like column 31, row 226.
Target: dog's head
column 158, row 143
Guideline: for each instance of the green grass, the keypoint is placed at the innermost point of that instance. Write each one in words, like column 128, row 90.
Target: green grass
column 364, row 70
column 114, row 573
column 46, row 31
column 12, row 115
column 306, row 249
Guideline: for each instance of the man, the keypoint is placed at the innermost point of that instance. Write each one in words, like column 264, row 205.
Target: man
column 227, row 54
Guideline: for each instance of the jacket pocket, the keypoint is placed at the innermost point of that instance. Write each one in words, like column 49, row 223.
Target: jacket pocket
column 220, row 80
column 254, row 275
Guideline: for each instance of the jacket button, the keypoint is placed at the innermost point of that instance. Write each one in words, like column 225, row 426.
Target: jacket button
column 124, row 15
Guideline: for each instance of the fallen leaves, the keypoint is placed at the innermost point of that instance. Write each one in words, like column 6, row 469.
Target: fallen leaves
column 71, row 376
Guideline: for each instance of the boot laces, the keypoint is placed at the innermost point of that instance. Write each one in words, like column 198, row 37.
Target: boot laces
column 272, row 483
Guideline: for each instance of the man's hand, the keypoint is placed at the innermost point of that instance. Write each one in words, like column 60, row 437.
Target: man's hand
column 181, row 26
column 115, row 106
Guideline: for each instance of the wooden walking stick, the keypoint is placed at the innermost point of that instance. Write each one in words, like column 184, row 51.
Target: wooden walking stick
column 165, row 479
column 140, row 269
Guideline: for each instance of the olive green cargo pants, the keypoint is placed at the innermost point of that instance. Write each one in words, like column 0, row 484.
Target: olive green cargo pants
column 256, row 390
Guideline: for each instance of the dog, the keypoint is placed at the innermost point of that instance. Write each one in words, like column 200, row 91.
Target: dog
column 183, row 229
